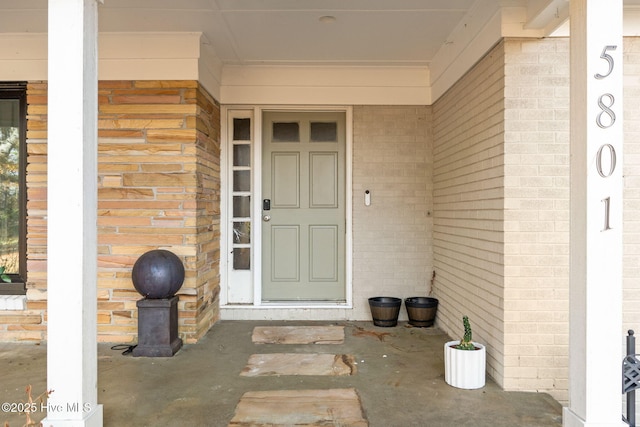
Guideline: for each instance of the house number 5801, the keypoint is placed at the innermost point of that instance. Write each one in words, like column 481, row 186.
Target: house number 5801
column 605, row 118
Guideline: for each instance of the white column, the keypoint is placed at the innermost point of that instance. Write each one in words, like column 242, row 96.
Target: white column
column 595, row 327
column 72, row 371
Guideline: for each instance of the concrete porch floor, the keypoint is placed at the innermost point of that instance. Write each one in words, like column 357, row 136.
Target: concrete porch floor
column 399, row 379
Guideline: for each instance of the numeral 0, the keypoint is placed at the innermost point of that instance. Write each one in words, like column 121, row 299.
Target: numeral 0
column 612, row 160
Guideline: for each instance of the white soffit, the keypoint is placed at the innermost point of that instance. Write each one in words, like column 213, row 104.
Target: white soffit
column 546, row 14
column 468, row 42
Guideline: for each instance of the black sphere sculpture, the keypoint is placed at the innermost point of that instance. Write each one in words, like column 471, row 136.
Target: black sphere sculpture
column 158, row 274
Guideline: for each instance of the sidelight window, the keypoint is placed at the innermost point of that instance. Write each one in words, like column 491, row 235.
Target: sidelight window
column 241, row 207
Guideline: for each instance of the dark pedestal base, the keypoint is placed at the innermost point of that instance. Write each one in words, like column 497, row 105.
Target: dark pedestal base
column 157, row 328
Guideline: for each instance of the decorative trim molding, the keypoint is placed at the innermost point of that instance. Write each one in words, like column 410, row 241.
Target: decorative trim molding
column 326, row 85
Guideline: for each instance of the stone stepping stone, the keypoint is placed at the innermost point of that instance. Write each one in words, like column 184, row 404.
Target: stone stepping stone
column 299, row 364
column 298, row 335
column 300, row 408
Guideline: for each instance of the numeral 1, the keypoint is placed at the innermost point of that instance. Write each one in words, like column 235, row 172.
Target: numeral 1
column 607, row 204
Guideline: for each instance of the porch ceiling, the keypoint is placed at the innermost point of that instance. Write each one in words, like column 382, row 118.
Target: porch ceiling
column 426, row 33
column 364, row 32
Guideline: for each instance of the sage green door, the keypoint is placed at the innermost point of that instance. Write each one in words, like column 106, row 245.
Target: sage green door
column 303, row 206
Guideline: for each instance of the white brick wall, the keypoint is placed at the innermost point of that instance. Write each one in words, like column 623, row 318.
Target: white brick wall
column 468, row 206
column 512, row 278
column 502, row 211
column 536, row 250
column 392, row 253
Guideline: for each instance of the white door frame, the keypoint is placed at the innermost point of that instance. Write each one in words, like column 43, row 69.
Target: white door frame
column 256, row 214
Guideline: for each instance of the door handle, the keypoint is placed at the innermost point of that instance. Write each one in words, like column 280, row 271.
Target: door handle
column 266, row 218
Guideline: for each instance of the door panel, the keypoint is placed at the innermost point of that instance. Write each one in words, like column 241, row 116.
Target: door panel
column 285, row 180
column 285, row 247
column 323, row 185
column 323, row 257
column 303, row 228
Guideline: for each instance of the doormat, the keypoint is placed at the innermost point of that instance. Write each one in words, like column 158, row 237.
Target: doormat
column 300, row 408
column 299, row 364
column 298, row 335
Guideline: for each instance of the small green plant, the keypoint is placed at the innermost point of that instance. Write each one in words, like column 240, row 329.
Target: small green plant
column 3, row 276
column 465, row 342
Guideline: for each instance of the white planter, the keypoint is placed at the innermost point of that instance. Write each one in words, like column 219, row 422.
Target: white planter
column 464, row 368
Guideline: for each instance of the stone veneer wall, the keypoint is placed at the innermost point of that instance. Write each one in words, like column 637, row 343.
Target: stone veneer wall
column 159, row 187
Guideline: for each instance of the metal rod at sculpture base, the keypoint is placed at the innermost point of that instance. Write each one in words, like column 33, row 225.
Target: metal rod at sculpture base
column 157, row 327
column 631, row 378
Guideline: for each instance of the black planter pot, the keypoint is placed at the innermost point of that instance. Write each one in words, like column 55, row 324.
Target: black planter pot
column 385, row 310
column 421, row 311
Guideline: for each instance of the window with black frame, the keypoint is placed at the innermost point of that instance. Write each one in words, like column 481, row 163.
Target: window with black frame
column 12, row 187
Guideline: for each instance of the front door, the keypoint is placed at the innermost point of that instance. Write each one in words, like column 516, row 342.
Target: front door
column 303, row 206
